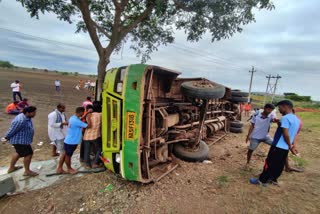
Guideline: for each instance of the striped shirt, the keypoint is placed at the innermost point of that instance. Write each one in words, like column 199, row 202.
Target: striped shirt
column 94, row 131
column 21, row 130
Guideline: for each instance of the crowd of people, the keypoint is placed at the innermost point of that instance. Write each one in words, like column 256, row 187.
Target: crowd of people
column 88, row 85
column 84, row 128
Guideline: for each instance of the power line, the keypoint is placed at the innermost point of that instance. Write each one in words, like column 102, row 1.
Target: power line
column 52, row 41
column 45, row 39
column 185, row 50
column 206, row 56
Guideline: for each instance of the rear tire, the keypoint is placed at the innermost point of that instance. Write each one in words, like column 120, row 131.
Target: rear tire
column 236, row 124
column 239, row 99
column 236, row 93
column 236, row 130
column 202, row 90
column 186, row 154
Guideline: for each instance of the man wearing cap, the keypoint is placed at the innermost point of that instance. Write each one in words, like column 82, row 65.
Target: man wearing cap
column 282, row 143
column 259, row 129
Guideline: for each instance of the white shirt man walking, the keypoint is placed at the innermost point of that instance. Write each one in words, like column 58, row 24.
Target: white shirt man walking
column 57, row 126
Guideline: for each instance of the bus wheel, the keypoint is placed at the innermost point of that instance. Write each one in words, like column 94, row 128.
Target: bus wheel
column 202, row 90
column 238, row 93
column 191, row 155
column 239, row 99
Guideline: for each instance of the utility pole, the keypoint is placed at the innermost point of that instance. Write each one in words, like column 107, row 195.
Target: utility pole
column 275, row 87
column 250, row 86
column 266, row 94
column 271, row 88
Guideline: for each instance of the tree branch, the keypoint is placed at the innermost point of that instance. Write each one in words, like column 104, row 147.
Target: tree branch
column 138, row 20
column 180, row 5
column 116, row 4
column 124, row 3
column 101, row 30
column 84, row 8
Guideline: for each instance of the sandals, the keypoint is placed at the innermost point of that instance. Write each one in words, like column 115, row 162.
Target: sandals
column 31, row 174
column 14, row 169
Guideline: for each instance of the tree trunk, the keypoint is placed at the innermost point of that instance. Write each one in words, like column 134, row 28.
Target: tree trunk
column 102, row 67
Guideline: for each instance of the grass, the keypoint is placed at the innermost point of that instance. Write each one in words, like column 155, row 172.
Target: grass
column 310, row 119
column 223, row 180
column 299, row 162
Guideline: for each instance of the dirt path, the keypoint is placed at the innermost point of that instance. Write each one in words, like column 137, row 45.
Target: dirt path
column 220, row 187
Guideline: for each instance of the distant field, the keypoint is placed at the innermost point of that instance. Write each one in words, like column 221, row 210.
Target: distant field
column 258, row 102
column 312, row 120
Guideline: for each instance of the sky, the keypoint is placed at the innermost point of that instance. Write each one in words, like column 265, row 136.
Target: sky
column 284, row 41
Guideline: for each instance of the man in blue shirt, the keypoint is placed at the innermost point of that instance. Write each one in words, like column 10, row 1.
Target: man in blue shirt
column 73, row 138
column 282, row 143
column 20, row 135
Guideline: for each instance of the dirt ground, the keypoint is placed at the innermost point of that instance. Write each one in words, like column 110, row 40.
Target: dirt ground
column 218, row 187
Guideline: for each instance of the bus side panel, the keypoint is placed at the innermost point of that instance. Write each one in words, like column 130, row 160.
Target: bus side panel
column 107, row 150
column 132, row 108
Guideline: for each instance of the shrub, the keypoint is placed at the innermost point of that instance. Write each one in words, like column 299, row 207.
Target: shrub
column 6, row 64
column 299, row 98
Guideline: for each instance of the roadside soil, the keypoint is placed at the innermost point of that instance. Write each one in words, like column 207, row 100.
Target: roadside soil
column 218, row 187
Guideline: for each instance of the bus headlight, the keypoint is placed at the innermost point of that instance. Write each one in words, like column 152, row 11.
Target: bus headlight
column 118, row 159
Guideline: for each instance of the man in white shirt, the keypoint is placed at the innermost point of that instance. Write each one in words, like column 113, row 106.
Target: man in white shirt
column 57, row 84
column 16, row 90
column 92, row 85
column 259, row 129
column 57, row 126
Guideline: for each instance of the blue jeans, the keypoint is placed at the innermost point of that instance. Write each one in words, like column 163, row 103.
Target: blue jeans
column 15, row 93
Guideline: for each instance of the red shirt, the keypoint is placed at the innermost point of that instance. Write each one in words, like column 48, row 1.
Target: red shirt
column 247, row 107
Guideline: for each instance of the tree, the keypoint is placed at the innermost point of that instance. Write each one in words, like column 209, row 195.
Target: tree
column 6, row 64
column 146, row 24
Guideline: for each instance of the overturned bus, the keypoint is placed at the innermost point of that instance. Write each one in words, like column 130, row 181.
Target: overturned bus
column 150, row 117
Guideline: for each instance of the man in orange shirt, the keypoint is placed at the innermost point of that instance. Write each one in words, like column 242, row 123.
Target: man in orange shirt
column 13, row 108
column 247, row 108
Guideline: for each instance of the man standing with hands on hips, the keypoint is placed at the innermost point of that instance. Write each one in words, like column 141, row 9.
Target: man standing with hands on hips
column 281, row 145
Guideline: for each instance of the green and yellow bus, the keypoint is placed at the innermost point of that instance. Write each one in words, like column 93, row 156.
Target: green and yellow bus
column 151, row 117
